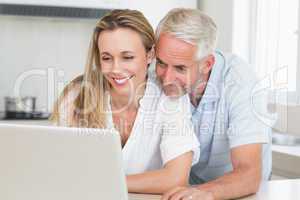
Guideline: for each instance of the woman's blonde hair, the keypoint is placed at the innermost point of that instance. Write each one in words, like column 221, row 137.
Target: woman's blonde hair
column 90, row 105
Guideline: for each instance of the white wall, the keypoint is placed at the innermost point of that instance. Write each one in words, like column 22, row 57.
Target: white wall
column 156, row 10
column 50, row 46
column 222, row 13
column 40, row 44
column 229, row 26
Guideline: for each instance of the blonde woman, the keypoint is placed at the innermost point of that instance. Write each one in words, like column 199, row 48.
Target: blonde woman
column 116, row 91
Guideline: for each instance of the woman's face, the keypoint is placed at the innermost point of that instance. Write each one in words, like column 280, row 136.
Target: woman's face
column 123, row 60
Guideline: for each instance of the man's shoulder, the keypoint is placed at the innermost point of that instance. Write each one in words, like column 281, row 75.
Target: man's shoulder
column 237, row 72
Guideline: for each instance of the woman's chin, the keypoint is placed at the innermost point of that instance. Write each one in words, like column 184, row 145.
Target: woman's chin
column 122, row 84
column 124, row 90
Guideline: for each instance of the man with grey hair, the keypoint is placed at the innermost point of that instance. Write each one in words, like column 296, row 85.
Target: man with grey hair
column 234, row 138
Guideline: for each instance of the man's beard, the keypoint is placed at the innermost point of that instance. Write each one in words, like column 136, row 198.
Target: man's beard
column 173, row 90
column 196, row 91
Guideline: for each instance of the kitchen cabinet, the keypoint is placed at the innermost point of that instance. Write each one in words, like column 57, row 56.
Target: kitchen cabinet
column 153, row 10
column 104, row 4
column 108, row 4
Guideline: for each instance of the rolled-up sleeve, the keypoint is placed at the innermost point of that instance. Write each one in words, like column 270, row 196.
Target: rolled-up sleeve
column 178, row 136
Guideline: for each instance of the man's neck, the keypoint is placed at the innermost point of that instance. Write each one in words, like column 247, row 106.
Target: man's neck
column 196, row 96
column 199, row 90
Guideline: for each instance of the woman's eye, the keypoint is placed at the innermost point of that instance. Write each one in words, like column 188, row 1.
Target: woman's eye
column 105, row 58
column 128, row 57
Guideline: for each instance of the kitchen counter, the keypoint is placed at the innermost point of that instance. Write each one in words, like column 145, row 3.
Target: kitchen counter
column 286, row 161
column 272, row 190
column 290, row 150
column 277, row 190
column 40, row 122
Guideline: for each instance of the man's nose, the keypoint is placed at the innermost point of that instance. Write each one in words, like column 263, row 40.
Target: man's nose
column 168, row 76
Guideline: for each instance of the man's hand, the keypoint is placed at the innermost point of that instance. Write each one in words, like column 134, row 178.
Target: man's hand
column 242, row 181
column 187, row 193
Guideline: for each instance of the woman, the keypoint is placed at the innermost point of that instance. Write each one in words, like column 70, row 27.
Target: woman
column 116, row 91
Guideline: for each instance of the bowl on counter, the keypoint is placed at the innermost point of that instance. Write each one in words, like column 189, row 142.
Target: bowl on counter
column 22, row 108
column 285, row 139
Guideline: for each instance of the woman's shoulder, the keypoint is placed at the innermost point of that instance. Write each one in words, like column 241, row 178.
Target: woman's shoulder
column 64, row 106
column 72, row 89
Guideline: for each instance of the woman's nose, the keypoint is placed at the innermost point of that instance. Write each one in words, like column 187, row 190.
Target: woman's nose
column 116, row 66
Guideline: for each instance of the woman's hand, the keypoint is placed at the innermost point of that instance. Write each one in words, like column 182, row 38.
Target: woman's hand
column 174, row 174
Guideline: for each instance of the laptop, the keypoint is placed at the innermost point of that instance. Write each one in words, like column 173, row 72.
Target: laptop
column 60, row 163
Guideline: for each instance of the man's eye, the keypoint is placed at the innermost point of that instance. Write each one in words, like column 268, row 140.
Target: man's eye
column 161, row 64
column 180, row 69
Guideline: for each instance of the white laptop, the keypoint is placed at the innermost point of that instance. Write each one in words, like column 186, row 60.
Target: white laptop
column 56, row 163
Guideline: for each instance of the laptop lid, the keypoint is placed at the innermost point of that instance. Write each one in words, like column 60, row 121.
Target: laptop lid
column 60, row 163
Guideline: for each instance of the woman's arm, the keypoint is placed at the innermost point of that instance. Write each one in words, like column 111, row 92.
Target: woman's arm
column 175, row 173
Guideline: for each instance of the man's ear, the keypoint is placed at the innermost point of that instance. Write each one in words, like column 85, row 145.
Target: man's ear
column 209, row 63
column 151, row 55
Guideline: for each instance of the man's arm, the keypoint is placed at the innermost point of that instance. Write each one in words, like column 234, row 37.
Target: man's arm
column 242, row 181
column 245, row 177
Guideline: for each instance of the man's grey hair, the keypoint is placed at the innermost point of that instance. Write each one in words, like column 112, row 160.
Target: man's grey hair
column 192, row 26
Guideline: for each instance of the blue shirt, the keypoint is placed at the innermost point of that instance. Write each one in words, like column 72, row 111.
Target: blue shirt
column 231, row 113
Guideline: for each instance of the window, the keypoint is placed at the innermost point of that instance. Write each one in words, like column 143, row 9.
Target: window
column 266, row 33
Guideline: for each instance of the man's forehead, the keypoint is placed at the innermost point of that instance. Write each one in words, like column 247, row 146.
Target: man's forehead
column 168, row 46
column 168, row 38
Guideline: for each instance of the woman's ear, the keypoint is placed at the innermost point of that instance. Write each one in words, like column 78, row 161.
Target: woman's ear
column 150, row 55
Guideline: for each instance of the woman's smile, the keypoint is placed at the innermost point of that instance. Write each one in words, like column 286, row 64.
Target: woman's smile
column 121, row 81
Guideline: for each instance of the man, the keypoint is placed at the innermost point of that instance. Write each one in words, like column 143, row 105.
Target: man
column 234, row 140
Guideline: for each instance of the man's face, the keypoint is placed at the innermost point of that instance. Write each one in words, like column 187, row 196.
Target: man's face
column 176, row 66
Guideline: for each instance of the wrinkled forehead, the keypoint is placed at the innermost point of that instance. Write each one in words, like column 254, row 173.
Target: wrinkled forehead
column 170, row 48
